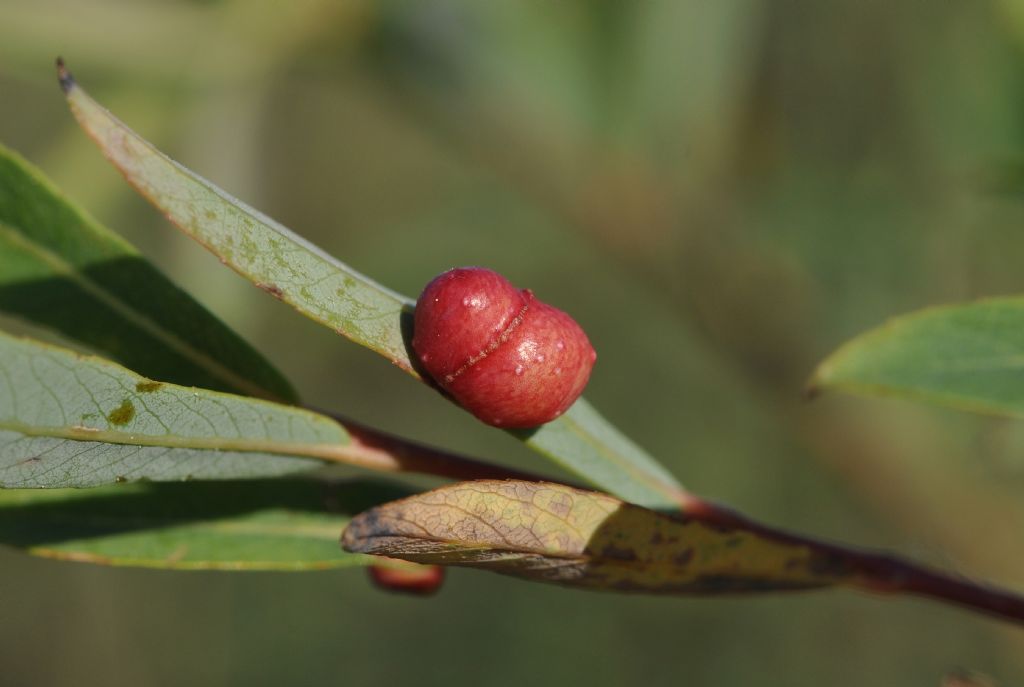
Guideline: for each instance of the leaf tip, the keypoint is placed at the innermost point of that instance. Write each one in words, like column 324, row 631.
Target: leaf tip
column 822, row 379
column 354, row 536
column 812, row 390
column 64, row 77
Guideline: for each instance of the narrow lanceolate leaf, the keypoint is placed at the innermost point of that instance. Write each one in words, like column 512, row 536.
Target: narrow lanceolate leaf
column 61, row 269
column 584, row 442
column 265, row 252
column 966, row 356
column 554, row 533
column 330, row 292
column 286, row 524
column 68, row 420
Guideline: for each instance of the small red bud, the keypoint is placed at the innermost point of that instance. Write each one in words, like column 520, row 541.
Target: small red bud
column 505, row 356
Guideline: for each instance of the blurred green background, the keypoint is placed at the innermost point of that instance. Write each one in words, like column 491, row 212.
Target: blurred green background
column 720, row 192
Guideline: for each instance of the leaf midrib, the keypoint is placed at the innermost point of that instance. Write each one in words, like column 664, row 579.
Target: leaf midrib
column 639, row 474
column 202, row 564
column 318, row 531
column 330, row 452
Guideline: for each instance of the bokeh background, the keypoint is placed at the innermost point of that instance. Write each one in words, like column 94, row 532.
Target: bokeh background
column 721, row 192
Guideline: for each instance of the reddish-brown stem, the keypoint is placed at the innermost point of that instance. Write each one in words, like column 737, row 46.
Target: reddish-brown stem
column 868, row 570
column 876, row 572
column 411, row 456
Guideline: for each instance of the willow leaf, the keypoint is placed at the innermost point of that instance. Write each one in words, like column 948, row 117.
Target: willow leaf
column 554, row 533
column 60, row 269
column 265, row 252
column 330, row 292
column 284, row 524
column 967, row 356
column 68, row 420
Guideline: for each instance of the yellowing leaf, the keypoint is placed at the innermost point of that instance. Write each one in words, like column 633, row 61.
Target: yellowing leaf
column 555, row 533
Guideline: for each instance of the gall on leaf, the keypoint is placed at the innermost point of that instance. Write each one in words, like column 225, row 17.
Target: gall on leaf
column 510, row 359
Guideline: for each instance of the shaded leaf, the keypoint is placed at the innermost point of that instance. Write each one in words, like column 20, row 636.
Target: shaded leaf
column 61, row 269
column 330, row 292
column 966, row 356
column 73, row 420
column 286, row 524
column 554, row 533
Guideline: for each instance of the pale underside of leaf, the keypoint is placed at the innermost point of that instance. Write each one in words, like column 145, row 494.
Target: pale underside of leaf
column 554, row 533
column 333, row 294
column 73, row 420
column 287, row 524
column 967, row 356
column 31, row 462
column 60, row 269
column 265, row 252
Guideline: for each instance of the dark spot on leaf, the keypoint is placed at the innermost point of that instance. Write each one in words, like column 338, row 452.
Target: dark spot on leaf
column 122, row 414
column 210, row 214
column 683, row 558
column 120, row 479
column 147, row 387
column 827, row 565
column 726, row 584
column 618, row 553
column 273, row 289
column 67, row 82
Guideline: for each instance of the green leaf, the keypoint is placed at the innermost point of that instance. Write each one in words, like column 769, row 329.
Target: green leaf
column 554, row 533
column 965, row 356
column 61, row 269
column 68, row 420
column 583, row 442
column 285, row 524
column 265, row 252
column 330, row 292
